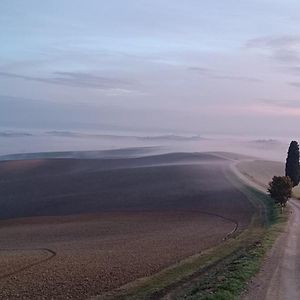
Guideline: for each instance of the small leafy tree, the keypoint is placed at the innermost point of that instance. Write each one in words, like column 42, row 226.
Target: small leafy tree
column 292, row 168
column 280, row 189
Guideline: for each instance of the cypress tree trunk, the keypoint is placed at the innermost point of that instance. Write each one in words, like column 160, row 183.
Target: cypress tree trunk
column 292, row 168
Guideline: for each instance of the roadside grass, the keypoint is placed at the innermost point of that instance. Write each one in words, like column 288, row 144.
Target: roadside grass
column 162, row 283
column 228, row 281
column 221, row 272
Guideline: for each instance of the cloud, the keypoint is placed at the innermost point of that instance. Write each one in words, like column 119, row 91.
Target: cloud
column 286, row 55
column 200, row 70
column 238, row 78
column 295, row 84
column 212, row 75
column 280, row 103
column 273, row 42
column 76, row 79
column 294, row 70
column 274, row 107
column 282, row 48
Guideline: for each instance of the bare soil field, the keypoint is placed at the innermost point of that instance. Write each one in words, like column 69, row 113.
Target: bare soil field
column 99, row 252
column 73, row 228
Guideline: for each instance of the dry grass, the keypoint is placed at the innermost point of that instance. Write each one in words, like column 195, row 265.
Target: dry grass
column 261, row 171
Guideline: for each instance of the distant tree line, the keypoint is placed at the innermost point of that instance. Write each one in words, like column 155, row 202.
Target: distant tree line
column 280, row 188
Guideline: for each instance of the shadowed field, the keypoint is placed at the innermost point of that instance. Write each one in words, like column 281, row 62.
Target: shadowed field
column 76, row 228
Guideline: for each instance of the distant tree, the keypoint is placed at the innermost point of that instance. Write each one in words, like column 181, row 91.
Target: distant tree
column 280, row 189
column 292, row 168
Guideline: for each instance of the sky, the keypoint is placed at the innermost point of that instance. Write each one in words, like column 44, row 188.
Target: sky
column 205, row 67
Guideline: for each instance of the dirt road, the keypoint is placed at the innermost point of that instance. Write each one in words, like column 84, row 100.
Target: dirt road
column 279, row 278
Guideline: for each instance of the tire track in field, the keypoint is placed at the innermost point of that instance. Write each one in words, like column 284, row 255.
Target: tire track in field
column 53, row 253
column 164, row 293
column 236, row 223
column 161, row 294
column 26, row 267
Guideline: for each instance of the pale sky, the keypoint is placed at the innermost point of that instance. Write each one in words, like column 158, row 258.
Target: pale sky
column 194, row 66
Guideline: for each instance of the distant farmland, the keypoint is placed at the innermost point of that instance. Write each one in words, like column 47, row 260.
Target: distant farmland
column 77, row 228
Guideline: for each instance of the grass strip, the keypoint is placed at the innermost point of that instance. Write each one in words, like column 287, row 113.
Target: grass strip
column 227, row 282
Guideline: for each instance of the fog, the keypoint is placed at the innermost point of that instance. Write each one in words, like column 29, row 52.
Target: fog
column 22, row 142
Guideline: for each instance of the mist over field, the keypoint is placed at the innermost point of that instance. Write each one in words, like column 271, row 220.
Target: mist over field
column 33, row 141
column 144, row 147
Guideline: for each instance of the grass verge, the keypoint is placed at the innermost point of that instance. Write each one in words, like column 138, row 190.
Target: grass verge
column 220, row 272
column 226, row 282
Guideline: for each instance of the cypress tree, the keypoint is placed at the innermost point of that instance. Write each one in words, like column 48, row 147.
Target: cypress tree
column 292, row 168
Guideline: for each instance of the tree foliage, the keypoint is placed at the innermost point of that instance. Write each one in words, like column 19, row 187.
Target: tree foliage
column 280, row 189
column 292, row 168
